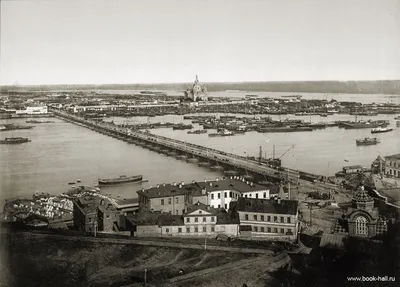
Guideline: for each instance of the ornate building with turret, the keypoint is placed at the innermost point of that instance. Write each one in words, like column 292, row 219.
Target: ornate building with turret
column 362, row 219
column 196, row 92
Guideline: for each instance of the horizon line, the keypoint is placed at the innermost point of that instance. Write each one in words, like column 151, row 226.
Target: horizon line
column 217, row 82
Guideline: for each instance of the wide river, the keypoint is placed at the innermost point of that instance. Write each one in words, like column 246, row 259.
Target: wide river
column 62, row 152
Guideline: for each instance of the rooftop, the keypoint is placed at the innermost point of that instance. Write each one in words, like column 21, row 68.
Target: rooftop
column 395, row 156
column 200, row 206
column 274, row 206
column 195, row 188
column 334, row 241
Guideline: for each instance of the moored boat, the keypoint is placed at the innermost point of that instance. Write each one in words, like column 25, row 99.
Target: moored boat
column 381, row 130
column 121, row 179
column 39, row 122
column 222, row 133
column 196, row 132
column 367, row 141
column 15, row 140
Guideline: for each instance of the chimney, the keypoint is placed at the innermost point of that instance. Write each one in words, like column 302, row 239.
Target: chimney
column 247, row 182
column 231, row 177
column 182, row 183
column 208, row 207
column 203, row 191
column 151, row 186
column 205, row 180
column 210, row 183
column 243, row 180
column 217, row 179
column 180, row 186
column 193, row 181
column 251, row 184
column 174, row 184
column 163, row 184
column 158, row 186
column 142, row 189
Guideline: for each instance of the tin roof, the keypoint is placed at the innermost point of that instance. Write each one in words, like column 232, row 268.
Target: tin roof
column 333, row 241
column 273, row 206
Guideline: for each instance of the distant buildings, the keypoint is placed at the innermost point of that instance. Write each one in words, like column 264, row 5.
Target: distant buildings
column 392, row 165
column 35, row 110
column 196, row 92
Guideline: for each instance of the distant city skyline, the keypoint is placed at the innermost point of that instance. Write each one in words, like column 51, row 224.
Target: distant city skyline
column 172, row 41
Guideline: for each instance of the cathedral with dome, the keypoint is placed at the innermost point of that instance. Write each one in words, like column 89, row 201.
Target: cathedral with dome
column 196, row 92
column 362, row 219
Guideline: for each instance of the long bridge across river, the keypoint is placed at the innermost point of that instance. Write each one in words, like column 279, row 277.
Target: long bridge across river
column 190, row 152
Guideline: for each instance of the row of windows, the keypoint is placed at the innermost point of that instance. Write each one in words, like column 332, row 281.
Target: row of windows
column 196, row 219
column 394, row 164
column 268, row 217
column 394, row 172
column 232, row 195
column 188, row 229
column 271, row 230
column 170, row 200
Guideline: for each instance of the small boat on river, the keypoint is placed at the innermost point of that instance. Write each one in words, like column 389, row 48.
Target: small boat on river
column 367, row 141
column 121, row 179
column 381, row 130
column 15, row 140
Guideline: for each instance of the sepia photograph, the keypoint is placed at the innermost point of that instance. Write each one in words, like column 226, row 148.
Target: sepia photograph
column 216, row 143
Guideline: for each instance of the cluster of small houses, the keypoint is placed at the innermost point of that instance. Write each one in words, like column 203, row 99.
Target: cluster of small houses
column 233, row 207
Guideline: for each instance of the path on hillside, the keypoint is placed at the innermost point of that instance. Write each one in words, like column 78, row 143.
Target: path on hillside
column 144, row 243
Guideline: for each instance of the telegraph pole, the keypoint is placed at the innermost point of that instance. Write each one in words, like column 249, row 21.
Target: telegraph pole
column 145, row 277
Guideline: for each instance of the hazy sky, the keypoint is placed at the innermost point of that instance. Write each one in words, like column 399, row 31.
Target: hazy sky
column 154, row 41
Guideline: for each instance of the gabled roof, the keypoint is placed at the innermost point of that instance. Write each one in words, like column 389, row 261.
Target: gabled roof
column 167, row 190
column 273, row 206
column 395, row 156
column 200, row 206
column 232, row 184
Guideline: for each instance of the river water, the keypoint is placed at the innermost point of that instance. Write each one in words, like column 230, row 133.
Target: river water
column 62, row 152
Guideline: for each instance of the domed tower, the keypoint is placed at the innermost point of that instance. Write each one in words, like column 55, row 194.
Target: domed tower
column 362, row 200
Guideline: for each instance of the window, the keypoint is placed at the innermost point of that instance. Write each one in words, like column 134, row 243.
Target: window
column 212, row 229
column 162, row 201
column 176, row 212
column 255, row 217
column 275, row 218
column 262, row 217
column 282, row 219
column 180, row 230
column 246, row 217
column 245, row 196
column 226, row 206
column 256, row 195
column 225, row 195
column 282, row 230
column 212, row 195
column 167, row 230
column 204, row 219
column 204, row 229
column 275, row 230
column 212, row 219
column 361, row 225
column 90, row 219
column 199, row 211
column 108, row 216
column 269, row 229
column 262, row 229
column 288, row 220
column 196, row 219
column 255, row 228
column 219, row 195
column 289, row 231
column 265, row 195
column 219, row 205
column 230, row 194
column 187, row 229
column 196, row 229
column 187, row 219
column 250, row 195
column 176, row 200
column 268, row 218
column 169, row 201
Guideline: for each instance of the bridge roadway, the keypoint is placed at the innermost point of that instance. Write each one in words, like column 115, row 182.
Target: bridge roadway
column 188, row 148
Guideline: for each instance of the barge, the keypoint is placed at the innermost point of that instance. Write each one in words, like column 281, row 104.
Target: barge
column 121, row 179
